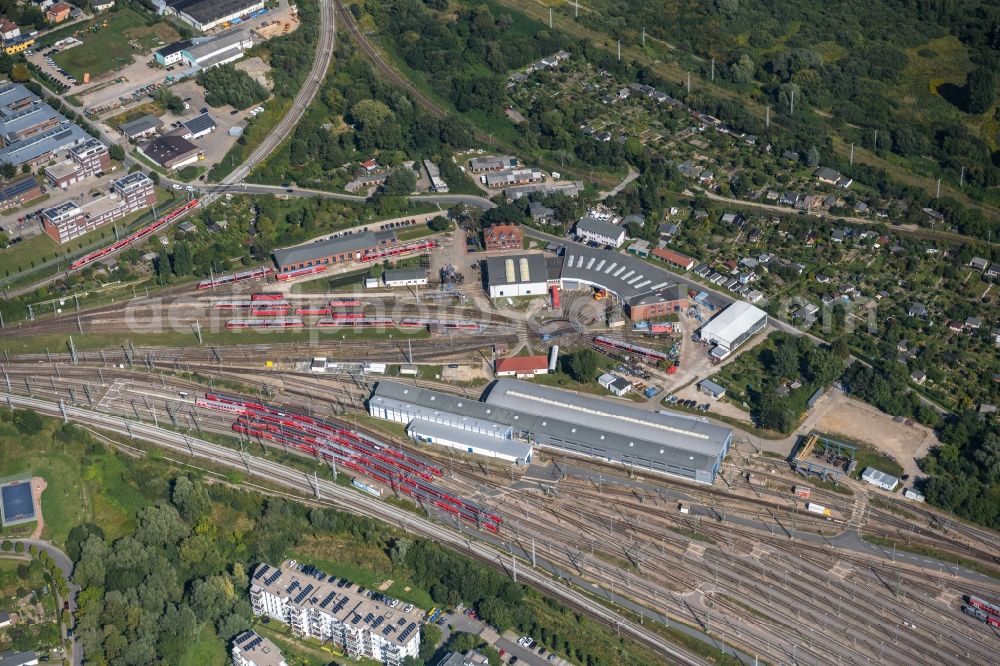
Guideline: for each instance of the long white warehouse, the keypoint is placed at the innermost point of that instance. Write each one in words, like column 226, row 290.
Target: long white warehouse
column 513, row 416
column 733, row 326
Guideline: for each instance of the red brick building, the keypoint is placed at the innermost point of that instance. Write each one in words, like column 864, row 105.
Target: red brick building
column 657, row 304
column 503, row 237
column 18, row 192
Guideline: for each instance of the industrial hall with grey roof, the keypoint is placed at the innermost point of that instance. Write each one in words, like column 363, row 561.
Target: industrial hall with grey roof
column 520, row 415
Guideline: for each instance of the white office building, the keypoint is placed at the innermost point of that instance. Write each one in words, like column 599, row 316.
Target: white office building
column 337, row 611
column 592, row 230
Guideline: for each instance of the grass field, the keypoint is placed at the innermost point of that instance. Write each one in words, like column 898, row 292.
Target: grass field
column 98, row 54
column 91, row 491
column 205, row 650
column 366, row 566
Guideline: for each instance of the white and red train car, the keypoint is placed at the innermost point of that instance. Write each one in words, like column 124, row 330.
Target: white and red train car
column 300, row 272
column 135, row 236
column 404, row 472
column 354, row 322
column 243, row 276
column 287, row 322
column 446, row 324
column 622, row 345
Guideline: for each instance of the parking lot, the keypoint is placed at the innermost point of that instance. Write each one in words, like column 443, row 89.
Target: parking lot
column 15, row 222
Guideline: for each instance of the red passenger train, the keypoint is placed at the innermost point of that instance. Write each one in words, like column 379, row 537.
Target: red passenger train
column 300, row 272
column 267, row 296
column 269, row 310
column 612, row 343
column 136, row 236
column 402, row 471
column 290, row 322
column 255, row 274
column 397, row 251
column 983, row 605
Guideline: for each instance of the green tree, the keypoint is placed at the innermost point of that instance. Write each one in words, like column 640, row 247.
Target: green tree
column 183, row 262
column 582, row 364
column 823, row 366
column 430, row 636
column 116, row 152
column 27, row 421
column 400, row 182
column 376, row 126
column 783, row 361
column 439, row 223
column 980, row 89
column 191, row 499
column 162, row 266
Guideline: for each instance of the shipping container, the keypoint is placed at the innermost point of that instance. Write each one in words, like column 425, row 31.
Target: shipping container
column 817, row 508
column 371, row 490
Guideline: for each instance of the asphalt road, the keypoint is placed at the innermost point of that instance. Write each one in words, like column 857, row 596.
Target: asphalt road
column 349, row 500
column 294, row 191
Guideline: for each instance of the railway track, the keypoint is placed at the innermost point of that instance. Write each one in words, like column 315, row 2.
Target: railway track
column 733, row 566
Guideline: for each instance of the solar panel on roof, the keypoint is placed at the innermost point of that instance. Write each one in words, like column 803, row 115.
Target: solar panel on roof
column 261, row 571
column 327, row 600
column 200, row 123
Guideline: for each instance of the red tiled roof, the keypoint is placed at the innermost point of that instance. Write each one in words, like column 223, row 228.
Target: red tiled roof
column 522, row 364
column 672, row 257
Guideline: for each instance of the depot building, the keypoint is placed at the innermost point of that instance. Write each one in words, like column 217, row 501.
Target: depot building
column 512, row 417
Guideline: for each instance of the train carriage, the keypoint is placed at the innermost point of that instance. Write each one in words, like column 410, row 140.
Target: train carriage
column 300, row 272
column 243, row 276
column 134, row 237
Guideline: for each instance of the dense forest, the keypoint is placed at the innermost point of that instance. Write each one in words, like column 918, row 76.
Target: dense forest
column 468, row 59
column 357, row 115
column 228, row 85
column 965, row 470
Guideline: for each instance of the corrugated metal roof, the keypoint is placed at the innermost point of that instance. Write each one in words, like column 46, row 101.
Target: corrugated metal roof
column 505, row 447
column 689, row 434
column 496, row 269
column 333, row 246
column 731, row 323
column 572, row 422
column 51, row 140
